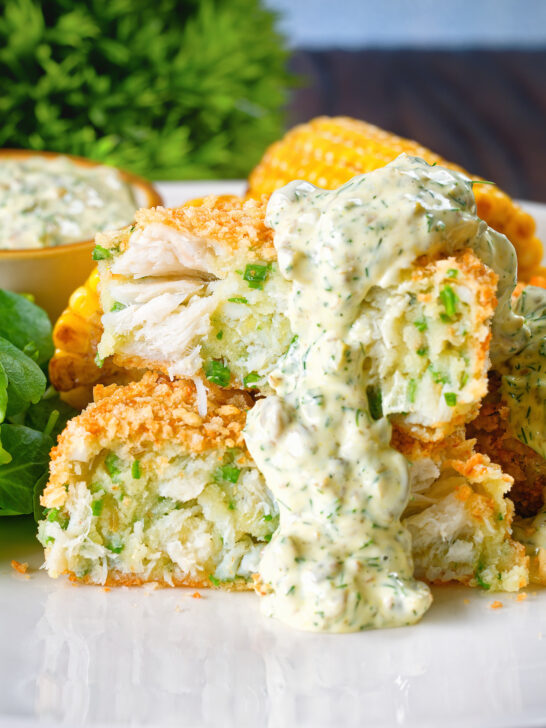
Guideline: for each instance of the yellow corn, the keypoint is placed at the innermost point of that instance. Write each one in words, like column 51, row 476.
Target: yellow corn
column 76, row 334
column 329, row 151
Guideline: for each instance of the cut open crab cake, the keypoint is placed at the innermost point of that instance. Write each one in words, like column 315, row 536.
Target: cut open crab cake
column 196, row 291
column 194, row 287
column 144, row 488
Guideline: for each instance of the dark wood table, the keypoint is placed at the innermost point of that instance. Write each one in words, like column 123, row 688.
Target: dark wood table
column 484, row 109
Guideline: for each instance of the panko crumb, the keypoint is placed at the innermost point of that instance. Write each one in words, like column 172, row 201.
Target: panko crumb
column 466, row 601
column 20, row 568
column 197, row 595
column 106, row 589
column 496, row 604
column 521, row 597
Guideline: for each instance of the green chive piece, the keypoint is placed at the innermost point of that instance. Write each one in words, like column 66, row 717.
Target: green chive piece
column 100, row 253
column 96, row 507
column 375, row 402
column 117, row 306
column 255, row 274
column 99, row 361
column 238, row 299
column 422, row 351
column 412, row 388
column 219, row 335
column 135, row 470
column 56, row 516
column 214, row 580
column 449, row 299
column 217, row 372
column 452, row 273
column 250, row 380
column 115, row 548
column 421, row 324
column 268, row 517
column 113, row 465
column 450, row 398
column 227, row 472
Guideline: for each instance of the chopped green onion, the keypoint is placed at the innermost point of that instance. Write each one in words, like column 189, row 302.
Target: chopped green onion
column 268, row 517
column 214, row 580
column 375, row 402
column 135, row 469
column 412, row 388
column 56, row 516
column 99, row 361
column 422, row 351
column 96, row 507
column 255, row 275
column 450, row 398
column 113, row 465
column 449, row 299
column 227, row 472
column 100, row 253
column 452, row 273
column 219, row 335
column 117, row 306
column 217, row 372
column 238, row 299
column 250, row 380
column 231, row 506
column 421, row 324
column 115, row 549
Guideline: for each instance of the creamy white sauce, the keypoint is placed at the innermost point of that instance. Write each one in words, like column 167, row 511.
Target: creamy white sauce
column 524, row 374
column 340, row 559
column 48, row 202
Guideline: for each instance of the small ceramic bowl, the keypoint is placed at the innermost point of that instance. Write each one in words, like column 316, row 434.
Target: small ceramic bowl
column 51, row 274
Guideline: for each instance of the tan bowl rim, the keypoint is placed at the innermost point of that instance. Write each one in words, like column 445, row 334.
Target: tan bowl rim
column 153, row 198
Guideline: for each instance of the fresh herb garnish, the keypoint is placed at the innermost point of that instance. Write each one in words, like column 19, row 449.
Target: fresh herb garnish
column 217, row 372
column 256, row 274
column 249, row 381
column 101, row 253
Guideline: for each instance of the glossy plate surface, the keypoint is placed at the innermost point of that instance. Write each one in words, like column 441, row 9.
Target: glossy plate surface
column 72, row 655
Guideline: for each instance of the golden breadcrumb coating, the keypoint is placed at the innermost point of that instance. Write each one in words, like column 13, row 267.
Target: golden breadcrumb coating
column 230, row 222
column 148, row 414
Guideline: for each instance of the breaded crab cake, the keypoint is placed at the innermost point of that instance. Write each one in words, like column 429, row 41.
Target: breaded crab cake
column 144, row 488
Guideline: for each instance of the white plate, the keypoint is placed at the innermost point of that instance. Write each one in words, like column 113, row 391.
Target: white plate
column 72, row 655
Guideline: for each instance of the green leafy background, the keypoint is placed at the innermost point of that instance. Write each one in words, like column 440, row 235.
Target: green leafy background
column 167, row 89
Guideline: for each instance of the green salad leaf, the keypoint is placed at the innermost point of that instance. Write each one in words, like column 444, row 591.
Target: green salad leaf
column 29, row 450
column 26, row 326
column 32, row 414
column 26, row 381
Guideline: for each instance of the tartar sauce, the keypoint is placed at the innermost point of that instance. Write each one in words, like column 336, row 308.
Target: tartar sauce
column 53, row 201
column 524, row 374
column 340, row 560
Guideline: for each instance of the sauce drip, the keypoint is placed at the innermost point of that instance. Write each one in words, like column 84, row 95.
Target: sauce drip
column 340, row 560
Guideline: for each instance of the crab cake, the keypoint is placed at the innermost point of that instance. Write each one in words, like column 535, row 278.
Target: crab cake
column 459, row 518
column 145, row 488
column 196, row 291
column 195, row 287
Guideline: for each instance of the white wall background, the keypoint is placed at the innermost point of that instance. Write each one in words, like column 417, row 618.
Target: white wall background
column 413, row 23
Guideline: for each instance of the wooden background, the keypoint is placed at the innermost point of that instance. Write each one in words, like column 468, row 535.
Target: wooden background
column 484, row 109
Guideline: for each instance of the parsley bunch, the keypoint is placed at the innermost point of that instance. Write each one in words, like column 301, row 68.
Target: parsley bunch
column 174, row 89
column 31, row 412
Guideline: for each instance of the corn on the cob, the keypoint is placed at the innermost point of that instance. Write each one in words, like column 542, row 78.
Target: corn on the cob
column 329, row 151
column 72, row 369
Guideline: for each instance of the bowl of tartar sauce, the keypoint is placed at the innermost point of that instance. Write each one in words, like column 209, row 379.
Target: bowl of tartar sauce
column 51, row 207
